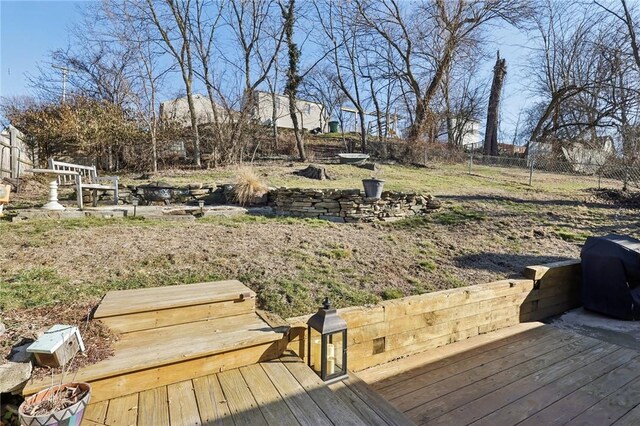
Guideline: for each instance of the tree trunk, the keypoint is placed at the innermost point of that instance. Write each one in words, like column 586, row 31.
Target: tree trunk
column 154, row 151
column 274, row 119
column 293, row 78
column 363, row 131
column 491, row 133
column 296, row 127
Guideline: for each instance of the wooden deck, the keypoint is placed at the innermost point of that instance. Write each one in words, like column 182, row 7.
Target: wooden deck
column 171, row 334
column 530, row 374
column 279, row 392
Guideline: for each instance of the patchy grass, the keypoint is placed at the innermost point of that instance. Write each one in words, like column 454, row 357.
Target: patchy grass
column 428, row 265
column 572, row 235
column 491, row 225
column 456, row 215
column 42, row 286
column 392, row 293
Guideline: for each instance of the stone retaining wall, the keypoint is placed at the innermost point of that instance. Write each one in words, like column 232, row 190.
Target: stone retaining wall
column 349, row 205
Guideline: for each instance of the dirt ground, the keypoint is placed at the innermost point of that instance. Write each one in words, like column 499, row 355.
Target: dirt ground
column 490, row 227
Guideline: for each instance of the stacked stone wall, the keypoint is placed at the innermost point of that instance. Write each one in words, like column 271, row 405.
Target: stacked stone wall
column 349, row 205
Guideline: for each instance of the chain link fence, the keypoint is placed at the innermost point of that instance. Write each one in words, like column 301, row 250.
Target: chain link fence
column 544, row 170
column 614, row 173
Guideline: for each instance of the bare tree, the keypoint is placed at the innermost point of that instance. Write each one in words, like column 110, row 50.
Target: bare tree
column 571, row 74
column 339, row 23
column 174, row 25
column 431, row 41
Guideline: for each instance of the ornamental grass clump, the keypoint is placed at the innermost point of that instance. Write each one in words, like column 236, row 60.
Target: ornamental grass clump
column 248, row 186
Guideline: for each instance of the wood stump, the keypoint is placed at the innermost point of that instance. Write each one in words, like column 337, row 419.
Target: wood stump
column 315, row 172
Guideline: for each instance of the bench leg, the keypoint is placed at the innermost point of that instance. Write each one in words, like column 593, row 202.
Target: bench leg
column 79, row 193
column 115, row 195
column 95, row 197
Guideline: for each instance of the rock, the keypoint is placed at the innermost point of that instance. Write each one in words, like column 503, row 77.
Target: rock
column 20, row 354
column 3, row 329
column 14, row 375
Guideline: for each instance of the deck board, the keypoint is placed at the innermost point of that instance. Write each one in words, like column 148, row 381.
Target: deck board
column 273, row 407
column 426, row 376
column 632, row 418
column 406, row 368
column 421, row 396
column 122, row 411
column 613, row 407
column 535, row 401
column 212, row 405
column 582, row 399
column 357, row 404
column 302, row 406
column 153, row 407
column 277, row 393
column 96, row 413
column 436, row 410
column 183, row 409
column 335, row 408
column 515, row 390
column 547, row 376
column 242, row 404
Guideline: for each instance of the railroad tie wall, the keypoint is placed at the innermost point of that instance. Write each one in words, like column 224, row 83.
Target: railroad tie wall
column 401, row 327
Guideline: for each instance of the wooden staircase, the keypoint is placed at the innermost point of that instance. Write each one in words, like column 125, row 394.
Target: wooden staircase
column 177, row 333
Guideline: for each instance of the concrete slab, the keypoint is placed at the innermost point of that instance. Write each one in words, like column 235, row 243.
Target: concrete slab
column 172, row 212
column 65, row 214
column 601, row 327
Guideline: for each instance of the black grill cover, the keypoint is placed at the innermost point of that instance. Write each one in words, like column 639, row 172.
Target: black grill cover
column 611, row 276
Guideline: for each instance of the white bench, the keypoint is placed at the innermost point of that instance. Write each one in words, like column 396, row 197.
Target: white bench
column 87, row 178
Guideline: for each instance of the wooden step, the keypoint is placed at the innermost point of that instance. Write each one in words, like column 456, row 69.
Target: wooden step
column 127, row 311
column 157, row 357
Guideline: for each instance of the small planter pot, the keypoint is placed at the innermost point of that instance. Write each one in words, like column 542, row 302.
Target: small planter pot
column 70, row 416
column 373, row 187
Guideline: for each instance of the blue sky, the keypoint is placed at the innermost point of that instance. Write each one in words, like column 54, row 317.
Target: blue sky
column 29, row 30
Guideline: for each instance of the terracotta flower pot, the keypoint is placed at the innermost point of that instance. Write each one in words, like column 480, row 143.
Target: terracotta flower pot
column 70, row 416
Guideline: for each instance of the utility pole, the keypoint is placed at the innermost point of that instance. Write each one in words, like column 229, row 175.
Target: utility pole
column 65, row 73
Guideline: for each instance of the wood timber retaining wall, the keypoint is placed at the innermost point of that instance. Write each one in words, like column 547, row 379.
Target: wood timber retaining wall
column 401, row 327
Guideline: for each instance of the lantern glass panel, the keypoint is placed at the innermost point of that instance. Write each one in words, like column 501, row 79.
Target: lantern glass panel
column 315, row 350
column 335, row 351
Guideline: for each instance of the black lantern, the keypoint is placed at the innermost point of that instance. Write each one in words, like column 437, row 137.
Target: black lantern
column 327, row 344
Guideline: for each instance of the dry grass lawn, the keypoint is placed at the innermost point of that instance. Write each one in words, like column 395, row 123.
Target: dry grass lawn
column 491, row 226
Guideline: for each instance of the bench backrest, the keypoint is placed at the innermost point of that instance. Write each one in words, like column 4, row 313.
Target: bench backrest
column 88, row 173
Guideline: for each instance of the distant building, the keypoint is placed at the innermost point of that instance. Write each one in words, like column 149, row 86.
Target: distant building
column 177, row 111
column 469, row 137
column 584, row 156
column 311, row 115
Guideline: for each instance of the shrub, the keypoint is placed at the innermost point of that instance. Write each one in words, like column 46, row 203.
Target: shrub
column 248, row 186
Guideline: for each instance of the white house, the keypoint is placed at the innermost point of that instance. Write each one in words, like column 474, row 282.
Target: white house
column 312, row 115
column 470, row 137
column 177, row 110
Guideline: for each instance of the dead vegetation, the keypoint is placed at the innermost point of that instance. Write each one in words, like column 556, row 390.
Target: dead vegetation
column 248, row 186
